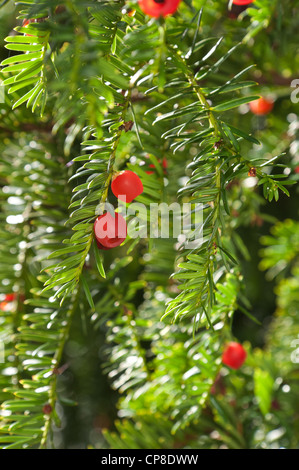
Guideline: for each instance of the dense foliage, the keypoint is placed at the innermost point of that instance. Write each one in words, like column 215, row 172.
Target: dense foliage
column 122, row 348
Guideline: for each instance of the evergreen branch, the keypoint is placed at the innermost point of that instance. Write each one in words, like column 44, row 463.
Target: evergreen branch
column 71, row 273
column 29, row 67
column 52, row 393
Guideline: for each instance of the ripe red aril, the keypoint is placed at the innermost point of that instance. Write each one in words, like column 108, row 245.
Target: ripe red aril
column 100, row 246
column 126, row 185
column 27, row 23
column 5, row 305
column 110, row 231
column 10, row 297
column 261, row 106
column 234, row 355
column 157, row 8
column 242, row 2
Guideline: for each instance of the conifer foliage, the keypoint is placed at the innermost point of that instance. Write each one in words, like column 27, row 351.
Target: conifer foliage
column 104, row 99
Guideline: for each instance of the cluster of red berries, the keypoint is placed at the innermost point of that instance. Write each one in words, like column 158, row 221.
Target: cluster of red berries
column 111, row 230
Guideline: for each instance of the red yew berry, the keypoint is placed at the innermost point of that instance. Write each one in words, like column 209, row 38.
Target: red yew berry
column 100, row 246
column 234, row 355
column 27, row 23
column 10, row 297
column 157, row 8
column 242, row 2
column 110, row 231
column 126, row 185
column 261, row 106
column 5, row 305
